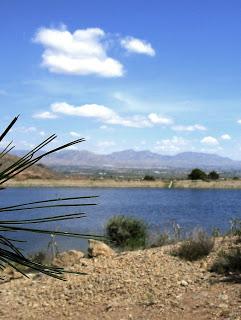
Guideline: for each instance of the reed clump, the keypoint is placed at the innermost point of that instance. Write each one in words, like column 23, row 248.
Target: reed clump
column 198, row 246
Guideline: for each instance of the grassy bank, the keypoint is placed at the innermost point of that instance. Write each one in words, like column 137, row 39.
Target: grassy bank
column 111, row 183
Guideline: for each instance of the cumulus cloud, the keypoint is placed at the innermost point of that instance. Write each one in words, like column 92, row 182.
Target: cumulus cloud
column 82, row 52
column 87, row 110
column 195, row 127
column 225, row 137
column 45, row 115
column 137, row 46
column 173, row 145
column 101, row 113
column 157, row 119
column 210, row 141
column 104, row 114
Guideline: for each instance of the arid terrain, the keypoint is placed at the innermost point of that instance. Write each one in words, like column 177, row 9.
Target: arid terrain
column 149, row 285
column 37, row 171
column 59, row 181
column 40, row 175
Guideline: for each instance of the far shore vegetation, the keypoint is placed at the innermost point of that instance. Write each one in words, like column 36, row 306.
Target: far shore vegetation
column 85, row 182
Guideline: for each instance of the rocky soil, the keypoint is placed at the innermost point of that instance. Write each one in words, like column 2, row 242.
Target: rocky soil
column 149, row 284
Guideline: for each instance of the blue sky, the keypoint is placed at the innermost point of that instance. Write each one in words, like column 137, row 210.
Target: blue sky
column 158, row 75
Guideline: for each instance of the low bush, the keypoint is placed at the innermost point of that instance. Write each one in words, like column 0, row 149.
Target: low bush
column 197, row 174
column 127, row 232
column 213, row 175
column 149, row 178
column 235, row 228
column 39, row 257
column 216, row 232
column 195, row 248
column 228, row 262
column 163, row 239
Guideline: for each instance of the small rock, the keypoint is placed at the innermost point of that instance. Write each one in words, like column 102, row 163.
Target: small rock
column 184, row 283
column 223, row 306
column 98, row 248
column 223, row 297
column 68, row 258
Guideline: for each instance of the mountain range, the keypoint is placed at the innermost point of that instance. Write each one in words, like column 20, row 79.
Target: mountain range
column 139, row 159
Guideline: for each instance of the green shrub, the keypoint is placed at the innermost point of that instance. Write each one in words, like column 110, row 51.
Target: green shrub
column 235, row 227
column 160, row 240
column 197, row 174
column 163, row 239
column 195, row 248
column 228, row 262
column 213, row 175
column 171, row 235
column 127, row 232
column 39, row 257
column 149, row 178
column 216, row 232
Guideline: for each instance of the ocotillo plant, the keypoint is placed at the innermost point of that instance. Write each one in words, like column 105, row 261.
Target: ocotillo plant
column 10, row 255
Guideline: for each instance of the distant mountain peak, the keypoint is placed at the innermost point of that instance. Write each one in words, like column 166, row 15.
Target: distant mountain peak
column 140, row 159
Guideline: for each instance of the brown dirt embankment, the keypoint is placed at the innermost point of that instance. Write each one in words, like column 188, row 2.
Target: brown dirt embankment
column 37, row 171
column 142, row 285
column 111, row 183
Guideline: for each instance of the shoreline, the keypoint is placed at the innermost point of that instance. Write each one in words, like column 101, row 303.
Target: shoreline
column 88, row 183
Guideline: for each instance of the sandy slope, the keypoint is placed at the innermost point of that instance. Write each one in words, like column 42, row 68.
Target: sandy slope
column 149, row 284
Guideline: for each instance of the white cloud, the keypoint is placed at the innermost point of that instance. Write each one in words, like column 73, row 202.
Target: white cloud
column 143, row 142
column 24, row 129
column 138, row 46
column 169, row 146
column 82, row 52
column 104, row 127
column 195, row 127
column 210, row 141
column 74, row 134
column 106, row 144
column 104, row 114
column 239, row 121
column 101, row 113
column 157, row 119
column 86, row 110
column 26, row 145
column 45, row 115
column 225, row 137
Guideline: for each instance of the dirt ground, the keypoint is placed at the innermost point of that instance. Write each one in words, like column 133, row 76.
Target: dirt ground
column 142, row 285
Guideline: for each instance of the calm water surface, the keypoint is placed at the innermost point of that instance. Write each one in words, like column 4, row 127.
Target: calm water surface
column 158, row 207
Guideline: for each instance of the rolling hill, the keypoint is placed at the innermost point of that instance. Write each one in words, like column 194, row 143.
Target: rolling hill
column 140, row 159
column 37, row 171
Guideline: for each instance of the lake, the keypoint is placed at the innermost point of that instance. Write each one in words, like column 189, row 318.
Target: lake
column 189, row 208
